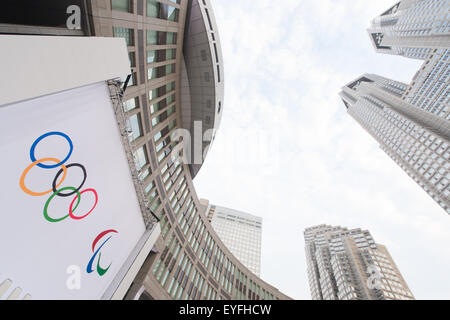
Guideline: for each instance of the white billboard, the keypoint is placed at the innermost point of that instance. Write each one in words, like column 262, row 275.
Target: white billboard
column 70, row 215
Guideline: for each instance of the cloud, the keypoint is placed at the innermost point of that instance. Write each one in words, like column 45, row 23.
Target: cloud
column 288, row 151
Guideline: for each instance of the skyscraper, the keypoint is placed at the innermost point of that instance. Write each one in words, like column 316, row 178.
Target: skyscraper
column 410, row 121
column 347, row 264
column 240, row 232
column 412, row 28
column 176, row 79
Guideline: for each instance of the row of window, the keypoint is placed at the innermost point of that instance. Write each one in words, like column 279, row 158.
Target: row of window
column 155, row 9
column 411, row 147
column 161, row 71
column 154, row 37
column 154, row 56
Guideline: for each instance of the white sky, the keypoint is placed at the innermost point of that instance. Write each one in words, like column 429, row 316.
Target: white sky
column 288, row 151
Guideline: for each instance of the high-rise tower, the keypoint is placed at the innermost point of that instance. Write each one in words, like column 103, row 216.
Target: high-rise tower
column 240, row 232
column 347, row 264
column 411, row 28
column 415, row 139
column 410, row 121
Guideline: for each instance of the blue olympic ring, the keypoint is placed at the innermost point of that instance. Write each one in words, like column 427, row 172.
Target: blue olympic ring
column 53, row 133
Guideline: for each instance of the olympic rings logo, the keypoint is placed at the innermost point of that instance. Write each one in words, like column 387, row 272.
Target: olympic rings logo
column 100, row 270
column 65, row 192
column 68, row 191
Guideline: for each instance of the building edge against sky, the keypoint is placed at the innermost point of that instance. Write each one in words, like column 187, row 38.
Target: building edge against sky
column 410, row 121
column 241, row 232
column 168, row 43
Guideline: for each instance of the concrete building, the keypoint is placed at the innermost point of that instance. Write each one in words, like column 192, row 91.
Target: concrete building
column 241, row 233
column 341, row 265
column 412, row 28
column 176, row 81
column 411, row 122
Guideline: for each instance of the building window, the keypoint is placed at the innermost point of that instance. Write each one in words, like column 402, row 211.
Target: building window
column 203, row 55
column 134, row 125
column 159, row 37
column 152, row 73
column 171, row 110
column 131, row 104
column 170, row 54
column 153, row 8
column 126, row 33
column 132, row 57
column 170, row 99
column 152, row 37
column 155, row 121
column 172, row 14
column 170, row 68
column 151, row 56
column 155, row 107
column 140, row 157
column 122, row 5
column 144, row 174
column 160, row 55
column 132, row 81
column 170, row 86
column 153, row 94
column 172, row 124
column 171, row 38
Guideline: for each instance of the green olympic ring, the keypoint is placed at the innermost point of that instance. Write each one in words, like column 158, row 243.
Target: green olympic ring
column 50, row 219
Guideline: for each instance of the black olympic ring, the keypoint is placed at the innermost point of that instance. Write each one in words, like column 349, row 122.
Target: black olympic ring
column 76, row 190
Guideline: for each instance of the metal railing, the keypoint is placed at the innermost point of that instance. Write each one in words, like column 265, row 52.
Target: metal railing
column 116, row 94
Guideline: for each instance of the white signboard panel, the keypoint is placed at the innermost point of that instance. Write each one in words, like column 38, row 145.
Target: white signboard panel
column 70, row 215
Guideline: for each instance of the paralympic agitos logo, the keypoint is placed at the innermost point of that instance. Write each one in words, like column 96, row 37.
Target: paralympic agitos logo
column 100, row 270
column 65, row 192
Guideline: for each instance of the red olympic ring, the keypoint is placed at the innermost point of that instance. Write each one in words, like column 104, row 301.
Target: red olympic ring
column 75, row 198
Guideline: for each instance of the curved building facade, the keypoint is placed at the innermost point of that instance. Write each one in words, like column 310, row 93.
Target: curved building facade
column 176, row 82
column 202, row 80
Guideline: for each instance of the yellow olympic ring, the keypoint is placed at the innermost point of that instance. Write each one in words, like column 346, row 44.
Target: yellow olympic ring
column 25, row 172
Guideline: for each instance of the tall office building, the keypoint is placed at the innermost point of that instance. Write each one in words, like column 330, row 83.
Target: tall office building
column 347, row 264
column 240, row 232
column 411, row 122
column 412, row 28
column 176, row 79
